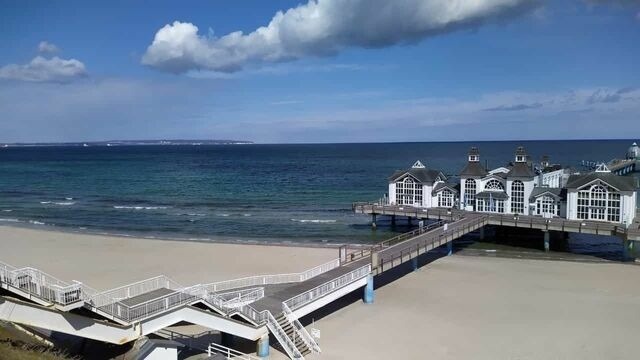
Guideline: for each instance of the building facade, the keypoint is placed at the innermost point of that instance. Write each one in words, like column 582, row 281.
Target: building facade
column 520, row 189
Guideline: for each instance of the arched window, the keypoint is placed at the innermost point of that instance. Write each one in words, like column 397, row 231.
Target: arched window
column 469, row 192
column 517, row 197
column 599, row 202
column 494, row 185
column 445, row 198
column 408, row 192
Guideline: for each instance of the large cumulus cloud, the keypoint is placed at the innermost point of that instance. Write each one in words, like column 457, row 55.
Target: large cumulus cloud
column 322, row 28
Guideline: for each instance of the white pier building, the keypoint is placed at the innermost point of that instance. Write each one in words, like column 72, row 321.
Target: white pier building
column 552, row 191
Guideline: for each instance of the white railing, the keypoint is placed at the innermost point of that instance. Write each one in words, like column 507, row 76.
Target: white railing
column 134, row 289
column 328, row 287
column 301, row 331
column 41, row 285
column 284, row 340
column 235, row 299
column 259, row 280
column 229, row 353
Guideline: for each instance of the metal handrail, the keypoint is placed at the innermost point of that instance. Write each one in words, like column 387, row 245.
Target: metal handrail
column 284, row 340
column 258, row 280
column 301, row 331
column 328, row 287
column 41, row 285
column 229, row 353
column 134, row 289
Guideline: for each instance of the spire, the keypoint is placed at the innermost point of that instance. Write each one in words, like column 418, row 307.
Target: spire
column 474, row 154
column 521, row 155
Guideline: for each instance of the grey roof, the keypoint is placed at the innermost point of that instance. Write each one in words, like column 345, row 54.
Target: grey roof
column 521, row 170
column 497, row 195
column 423, row 175
column 473, row 169
column 441, row 186
column 622, row 183
column 474, row 151
column 539, row 191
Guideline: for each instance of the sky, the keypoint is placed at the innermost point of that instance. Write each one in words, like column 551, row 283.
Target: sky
column 321, row 71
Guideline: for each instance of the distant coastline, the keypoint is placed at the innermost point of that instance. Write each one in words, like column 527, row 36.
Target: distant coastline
column 162, row 142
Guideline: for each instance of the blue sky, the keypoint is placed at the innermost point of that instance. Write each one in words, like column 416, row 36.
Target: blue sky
column 325, row 71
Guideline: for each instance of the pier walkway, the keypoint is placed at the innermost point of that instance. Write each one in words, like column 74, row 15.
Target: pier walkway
column 519, row 221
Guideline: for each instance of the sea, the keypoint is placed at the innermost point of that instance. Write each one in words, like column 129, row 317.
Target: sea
column 286, row 193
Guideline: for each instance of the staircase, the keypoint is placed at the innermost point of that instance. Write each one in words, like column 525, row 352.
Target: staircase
column 293, row 335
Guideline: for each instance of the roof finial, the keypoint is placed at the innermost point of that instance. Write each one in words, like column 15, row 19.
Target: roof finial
column 602, row 168
column 418, row 165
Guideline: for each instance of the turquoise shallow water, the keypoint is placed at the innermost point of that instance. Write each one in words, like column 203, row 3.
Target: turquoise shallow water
column 296, row 193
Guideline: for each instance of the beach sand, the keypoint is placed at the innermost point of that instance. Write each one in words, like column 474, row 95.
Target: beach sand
column 104, row 262
column 457, row 307
column 463, row 307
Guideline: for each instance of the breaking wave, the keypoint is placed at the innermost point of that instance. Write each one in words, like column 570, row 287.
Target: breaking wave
column 314, row 221
column 130, row 207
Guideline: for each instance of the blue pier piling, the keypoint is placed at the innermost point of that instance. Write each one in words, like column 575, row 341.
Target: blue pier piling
column 263, row 347
column 414, row 264
column 368, row 290
column 450, row 248
column 627, row 250
column 546, row 241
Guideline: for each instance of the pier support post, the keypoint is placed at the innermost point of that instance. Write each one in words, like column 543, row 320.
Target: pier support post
column 368, row 290
column 414, row 263
column 627, row 250
column 393, row 220
column 546, row 240
column 450, row 248
column 263, row 346
column 374, row 218
column 482, row 233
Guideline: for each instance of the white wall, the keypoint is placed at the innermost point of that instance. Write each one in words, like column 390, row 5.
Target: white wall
column 392, row 193
column 162, row 353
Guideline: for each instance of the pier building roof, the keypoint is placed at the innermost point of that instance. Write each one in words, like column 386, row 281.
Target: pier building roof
column 420, row 173
column 520, row 170
column 558, row 193
column 621, row 183
column 473, row 169
column 496, row 195
column 441, row 186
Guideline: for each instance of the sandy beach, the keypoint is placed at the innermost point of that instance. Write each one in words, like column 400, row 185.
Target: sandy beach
column 105, row 262
column 458, row 307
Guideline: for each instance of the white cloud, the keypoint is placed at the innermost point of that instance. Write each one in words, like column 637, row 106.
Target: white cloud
column 41, row 69
column 47, row 48
column 323, row 28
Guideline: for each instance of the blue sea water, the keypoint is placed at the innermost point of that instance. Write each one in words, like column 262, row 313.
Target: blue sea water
column 284, row 193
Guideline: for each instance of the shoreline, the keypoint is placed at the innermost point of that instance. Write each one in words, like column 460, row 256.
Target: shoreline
column 502, row 251
column 305, row 243
column 105, row 261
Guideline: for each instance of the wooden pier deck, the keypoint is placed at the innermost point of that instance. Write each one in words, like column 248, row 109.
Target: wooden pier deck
column 519, row 221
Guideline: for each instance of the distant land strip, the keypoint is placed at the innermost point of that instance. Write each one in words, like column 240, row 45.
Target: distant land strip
column 133, row 142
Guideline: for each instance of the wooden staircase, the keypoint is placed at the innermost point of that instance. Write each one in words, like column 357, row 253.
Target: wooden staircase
column 293, row 335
